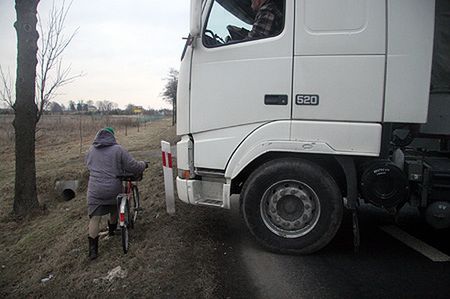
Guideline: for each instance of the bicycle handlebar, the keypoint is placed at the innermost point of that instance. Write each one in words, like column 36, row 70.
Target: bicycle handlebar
column 130, row 177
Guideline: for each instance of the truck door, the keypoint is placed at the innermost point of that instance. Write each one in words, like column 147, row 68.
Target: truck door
column 238, row 80
column 339, row 60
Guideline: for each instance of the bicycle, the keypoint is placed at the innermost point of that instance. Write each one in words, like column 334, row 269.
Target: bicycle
column 128, row 206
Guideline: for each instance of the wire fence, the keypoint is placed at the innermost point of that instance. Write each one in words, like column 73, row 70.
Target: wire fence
column 55, row 129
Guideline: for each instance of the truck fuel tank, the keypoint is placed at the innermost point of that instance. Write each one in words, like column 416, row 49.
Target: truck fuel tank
column 383, row 184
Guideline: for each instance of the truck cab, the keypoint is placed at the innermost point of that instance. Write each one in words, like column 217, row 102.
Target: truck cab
column 333, row 108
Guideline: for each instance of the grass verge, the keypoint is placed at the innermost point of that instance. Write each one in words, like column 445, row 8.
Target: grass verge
column 46, row 255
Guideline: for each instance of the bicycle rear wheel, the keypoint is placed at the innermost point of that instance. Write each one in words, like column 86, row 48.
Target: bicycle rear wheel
column 136, row 204
column 125, row 243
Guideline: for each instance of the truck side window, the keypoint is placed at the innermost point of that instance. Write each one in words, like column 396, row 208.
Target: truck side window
column 231, row 21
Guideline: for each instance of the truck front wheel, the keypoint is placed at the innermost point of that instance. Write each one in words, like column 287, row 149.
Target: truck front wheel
column 292, row 206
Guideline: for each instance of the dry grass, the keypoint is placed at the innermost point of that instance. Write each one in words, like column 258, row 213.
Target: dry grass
column 170, row 257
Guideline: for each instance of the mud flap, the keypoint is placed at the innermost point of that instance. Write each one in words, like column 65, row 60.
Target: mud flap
column 351, row 202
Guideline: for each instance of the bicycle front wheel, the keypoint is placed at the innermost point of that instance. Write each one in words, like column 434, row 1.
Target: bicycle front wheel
column 136, row 204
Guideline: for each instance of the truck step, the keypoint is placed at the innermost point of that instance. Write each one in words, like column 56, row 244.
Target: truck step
column 210, row 202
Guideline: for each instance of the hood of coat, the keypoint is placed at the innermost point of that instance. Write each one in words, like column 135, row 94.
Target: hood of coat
column 104, row 138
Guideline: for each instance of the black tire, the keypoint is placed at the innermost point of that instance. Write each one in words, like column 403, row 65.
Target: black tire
column 292, row 205
column 125, row 243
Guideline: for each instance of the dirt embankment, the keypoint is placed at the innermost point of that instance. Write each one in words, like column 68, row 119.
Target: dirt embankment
column 46, row 255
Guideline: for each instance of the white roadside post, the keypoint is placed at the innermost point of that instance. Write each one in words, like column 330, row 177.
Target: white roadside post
column 168, row 176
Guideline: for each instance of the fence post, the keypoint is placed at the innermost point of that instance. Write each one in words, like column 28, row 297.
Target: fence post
column 81, row 136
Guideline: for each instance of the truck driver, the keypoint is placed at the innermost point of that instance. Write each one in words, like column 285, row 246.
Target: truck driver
column 268, row 20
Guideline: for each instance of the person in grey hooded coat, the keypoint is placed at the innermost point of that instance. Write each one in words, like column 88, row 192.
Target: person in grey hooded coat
column 105, row 161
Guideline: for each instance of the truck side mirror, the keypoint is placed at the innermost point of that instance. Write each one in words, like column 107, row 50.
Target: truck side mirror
column 196, row 13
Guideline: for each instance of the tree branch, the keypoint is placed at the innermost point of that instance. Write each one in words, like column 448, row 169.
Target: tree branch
column 52, row 75
column 6, row 88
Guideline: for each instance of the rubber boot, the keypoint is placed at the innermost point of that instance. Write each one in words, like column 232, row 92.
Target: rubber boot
column 93, row 248
column 112, row 228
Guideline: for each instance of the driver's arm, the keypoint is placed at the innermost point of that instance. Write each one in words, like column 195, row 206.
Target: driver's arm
column 237, row 33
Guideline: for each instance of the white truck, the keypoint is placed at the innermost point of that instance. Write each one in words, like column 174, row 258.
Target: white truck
column 335, row 109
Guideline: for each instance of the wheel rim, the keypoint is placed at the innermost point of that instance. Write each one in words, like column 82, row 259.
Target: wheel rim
column 290, row 208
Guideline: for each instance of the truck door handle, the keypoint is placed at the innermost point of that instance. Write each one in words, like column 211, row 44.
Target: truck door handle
column 275, row 99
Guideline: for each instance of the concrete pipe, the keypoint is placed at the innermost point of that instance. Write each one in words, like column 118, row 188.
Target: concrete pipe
column 67, row 189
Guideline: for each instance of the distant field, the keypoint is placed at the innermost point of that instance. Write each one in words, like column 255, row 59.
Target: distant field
column 62, row 138
column 58, row 139
column 62, row 128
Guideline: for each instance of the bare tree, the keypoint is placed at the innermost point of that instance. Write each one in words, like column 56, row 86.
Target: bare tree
column 34, row 90
column 6, row 89
column 169, row 93
column 51, row 72
column 55, row 107
column 26, row 112
column 130, row 108
column 106, row 106
column 72, row 105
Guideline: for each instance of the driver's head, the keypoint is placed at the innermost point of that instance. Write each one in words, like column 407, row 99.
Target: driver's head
column 256, row 4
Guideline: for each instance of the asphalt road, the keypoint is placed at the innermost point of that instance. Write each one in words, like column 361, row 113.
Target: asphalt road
column 384, row 267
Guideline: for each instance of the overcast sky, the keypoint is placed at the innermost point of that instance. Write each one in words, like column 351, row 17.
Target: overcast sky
column 124, row 47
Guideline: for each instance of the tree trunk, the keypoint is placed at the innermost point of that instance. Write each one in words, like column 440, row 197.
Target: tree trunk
column 25, row 198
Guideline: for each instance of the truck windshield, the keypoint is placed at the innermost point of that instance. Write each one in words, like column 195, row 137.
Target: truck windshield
column 221, row 18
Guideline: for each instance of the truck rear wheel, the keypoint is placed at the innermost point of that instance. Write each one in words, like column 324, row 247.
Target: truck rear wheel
column 292, row 206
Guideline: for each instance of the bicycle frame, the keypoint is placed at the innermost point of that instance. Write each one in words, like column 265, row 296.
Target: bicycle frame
column 123, row 201
column 125, row 197
column 128, row 206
